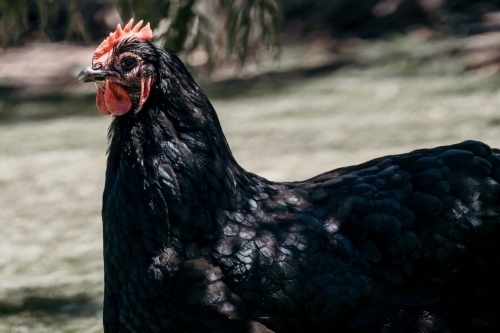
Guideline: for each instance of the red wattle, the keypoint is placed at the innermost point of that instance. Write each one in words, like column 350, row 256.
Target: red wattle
column 117, row 100
column 101, row 105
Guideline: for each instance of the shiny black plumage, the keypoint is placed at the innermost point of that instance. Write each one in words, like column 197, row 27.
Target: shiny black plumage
column 194, row 243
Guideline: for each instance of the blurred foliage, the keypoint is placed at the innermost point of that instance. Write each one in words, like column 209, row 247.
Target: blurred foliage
column 240, row 30
column 23, row 21
column 379, row 18
column 13, row 16
column 237, row 26
column 240, row 27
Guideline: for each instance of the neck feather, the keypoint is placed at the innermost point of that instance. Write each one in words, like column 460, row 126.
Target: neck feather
column 176, row 145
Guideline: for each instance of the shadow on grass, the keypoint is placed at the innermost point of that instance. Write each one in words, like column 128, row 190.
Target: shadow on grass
column 267, row 83
column 394, row 64
column 77, row 305
column 16, row 108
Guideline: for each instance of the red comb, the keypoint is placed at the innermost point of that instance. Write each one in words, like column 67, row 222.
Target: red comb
column 141, row 34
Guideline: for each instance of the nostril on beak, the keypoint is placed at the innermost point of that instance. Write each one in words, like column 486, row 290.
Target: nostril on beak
column 90, row 75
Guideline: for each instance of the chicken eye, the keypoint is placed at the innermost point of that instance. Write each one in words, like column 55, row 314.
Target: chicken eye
column 128, row 62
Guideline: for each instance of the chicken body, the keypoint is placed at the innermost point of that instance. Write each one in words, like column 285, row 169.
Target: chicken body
column 194, row 243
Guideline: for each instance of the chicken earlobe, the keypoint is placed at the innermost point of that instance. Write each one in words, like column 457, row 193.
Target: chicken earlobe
column 146, row 83
column 113, row 100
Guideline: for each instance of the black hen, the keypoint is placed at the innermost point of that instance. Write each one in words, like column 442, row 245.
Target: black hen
column 194, row 243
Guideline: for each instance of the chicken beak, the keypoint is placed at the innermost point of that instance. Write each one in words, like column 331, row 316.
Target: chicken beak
column 91, row 75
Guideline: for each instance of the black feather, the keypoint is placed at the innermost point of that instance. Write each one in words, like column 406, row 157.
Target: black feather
column 194, row 243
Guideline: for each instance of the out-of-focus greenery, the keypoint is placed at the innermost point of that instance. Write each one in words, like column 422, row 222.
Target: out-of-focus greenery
column 242, row 33
column 21, row 17
column 237, row 26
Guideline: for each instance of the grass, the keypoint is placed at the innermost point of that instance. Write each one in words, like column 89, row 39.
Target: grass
column 285, row 126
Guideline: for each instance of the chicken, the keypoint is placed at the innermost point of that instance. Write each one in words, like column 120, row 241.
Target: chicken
column 194, row 243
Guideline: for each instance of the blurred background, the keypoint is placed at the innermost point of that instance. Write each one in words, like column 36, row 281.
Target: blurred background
column 300, row 86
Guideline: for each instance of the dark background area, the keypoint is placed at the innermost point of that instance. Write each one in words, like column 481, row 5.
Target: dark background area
column 51, row 20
